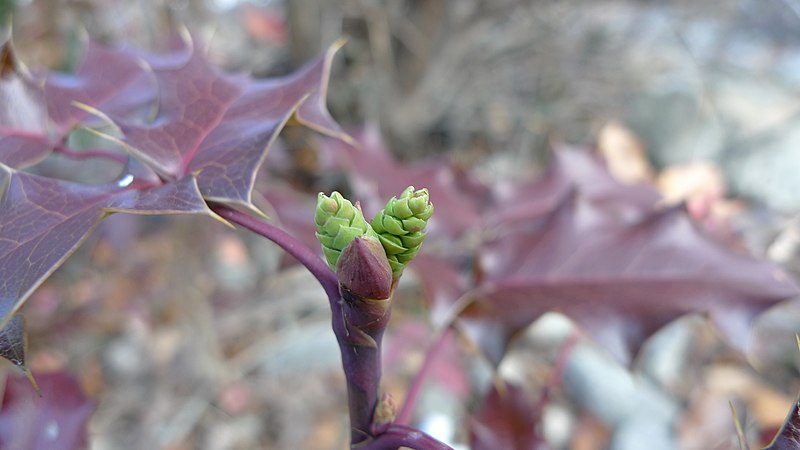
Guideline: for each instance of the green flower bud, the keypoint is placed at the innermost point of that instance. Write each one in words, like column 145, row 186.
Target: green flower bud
column 400, row 226
column 338, row 222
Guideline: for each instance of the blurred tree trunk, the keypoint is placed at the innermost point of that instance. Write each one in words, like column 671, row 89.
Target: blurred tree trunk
column 305, row 29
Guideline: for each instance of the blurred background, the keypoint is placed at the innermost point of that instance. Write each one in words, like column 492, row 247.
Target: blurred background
column 220, row 346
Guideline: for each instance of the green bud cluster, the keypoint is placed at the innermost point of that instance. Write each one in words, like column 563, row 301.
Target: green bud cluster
column 400, row 226
column 338, row 223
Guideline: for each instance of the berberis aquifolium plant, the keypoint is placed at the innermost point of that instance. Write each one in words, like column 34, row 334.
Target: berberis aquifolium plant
column 195, row 139
column 188, row 138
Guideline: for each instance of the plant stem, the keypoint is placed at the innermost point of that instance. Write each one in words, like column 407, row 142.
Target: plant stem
column 403, row 436
column 404, row 415
column 289, row 244
column 360, row 343
column 360, row 347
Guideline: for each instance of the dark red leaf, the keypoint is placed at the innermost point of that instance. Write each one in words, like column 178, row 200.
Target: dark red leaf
column 589, row 174
column 569, row 171
column 621, row 280
column 603, row 253
column 506, row 420
column 33, row 119
column 103, row 74
column 207, row 141
column 221, row 126
column 44, row 220
column 56, row 420
column 788, row 437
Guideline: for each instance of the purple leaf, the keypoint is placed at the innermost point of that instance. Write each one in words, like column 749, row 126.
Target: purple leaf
column 588, row 172
column 577, row 242
column 788, row 437
column 221, row 126
column 55, row 420
column 570, row 170
column 103, row 74
column 33, row 119
column 207, row 141
column 506, row 419
column 622, row 281
column 44, row 220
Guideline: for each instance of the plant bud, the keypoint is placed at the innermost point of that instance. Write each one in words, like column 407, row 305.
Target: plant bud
column 364, row 270
column 400, row 226
column 385, row 413
column 338, row 223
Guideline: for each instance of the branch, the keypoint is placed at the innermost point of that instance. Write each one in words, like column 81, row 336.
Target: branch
column 397, row 436
column 288, row 243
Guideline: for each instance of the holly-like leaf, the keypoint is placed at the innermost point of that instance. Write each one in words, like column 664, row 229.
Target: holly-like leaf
column 210, row 134
column 220, row 126
column 102, row 77
column 569, row 171
column 604, row 254
column 44, row 221
column 506, row 419
column 55, row 420
column 590, row 176
column 788, row 438
column 37, row 114
column 622, row 281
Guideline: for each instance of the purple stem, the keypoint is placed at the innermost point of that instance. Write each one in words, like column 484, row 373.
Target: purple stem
column 397, row 436
column 289, row 244
column 90, row 153
column 404, row 415
column 361, row 359
column 361, row 364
